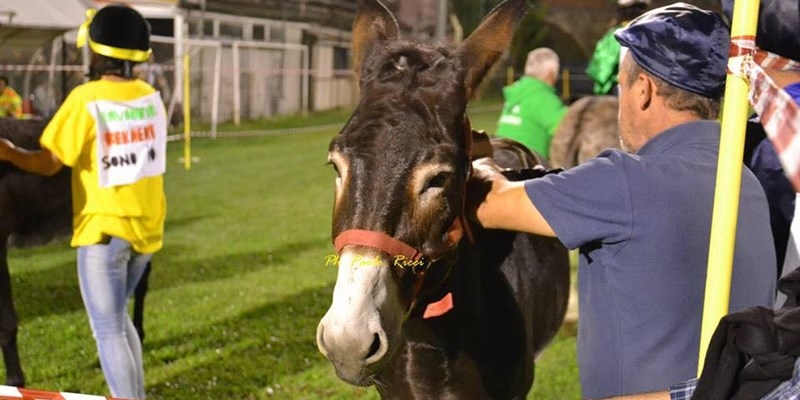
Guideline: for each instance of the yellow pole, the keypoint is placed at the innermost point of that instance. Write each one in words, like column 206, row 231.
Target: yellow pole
column 729, row 180
column 509, row 76
column 187, row 116
column 565, row 89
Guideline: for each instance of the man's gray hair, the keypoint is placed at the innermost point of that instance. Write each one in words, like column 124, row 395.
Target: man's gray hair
column 541, row 62
column 675, row 97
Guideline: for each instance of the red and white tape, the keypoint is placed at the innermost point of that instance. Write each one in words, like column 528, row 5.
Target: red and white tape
column 779, row 113
column 14, row 393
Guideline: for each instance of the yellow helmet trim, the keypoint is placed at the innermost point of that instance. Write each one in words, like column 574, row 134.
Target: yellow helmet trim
column 83, row 30
column 118, row 53
column 134, row 55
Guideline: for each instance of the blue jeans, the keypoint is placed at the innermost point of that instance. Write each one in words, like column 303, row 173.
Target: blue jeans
column 108, row 274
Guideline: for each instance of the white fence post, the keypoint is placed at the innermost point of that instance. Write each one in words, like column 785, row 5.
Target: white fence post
column 237, row 91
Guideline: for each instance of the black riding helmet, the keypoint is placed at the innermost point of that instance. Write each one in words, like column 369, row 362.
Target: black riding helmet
column 630, row 9
column 119, row 37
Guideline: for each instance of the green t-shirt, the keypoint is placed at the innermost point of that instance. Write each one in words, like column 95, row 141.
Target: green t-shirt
column 531, row 114
column 604, row 65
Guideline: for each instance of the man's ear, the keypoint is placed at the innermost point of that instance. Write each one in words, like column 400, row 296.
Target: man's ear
column 645, row 91
column 554, row 77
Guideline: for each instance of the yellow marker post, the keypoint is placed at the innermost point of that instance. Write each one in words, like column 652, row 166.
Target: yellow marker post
column 187, row 116
column 729, row 179
column 565, row 89
column 509, row 76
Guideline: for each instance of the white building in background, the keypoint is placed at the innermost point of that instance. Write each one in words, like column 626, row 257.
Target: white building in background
column 249, row 59
column 418, row 15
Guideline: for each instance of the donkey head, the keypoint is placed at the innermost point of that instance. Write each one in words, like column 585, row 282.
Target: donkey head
column 402, row 162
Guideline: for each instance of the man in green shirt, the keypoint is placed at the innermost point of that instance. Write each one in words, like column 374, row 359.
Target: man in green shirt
column 532, row 110
column 604, row 65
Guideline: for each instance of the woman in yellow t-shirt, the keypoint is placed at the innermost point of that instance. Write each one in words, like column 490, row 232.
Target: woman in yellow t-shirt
column 112, row 132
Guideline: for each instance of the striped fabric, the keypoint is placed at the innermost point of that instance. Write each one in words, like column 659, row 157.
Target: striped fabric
column 14, row 393
column 779, row 113
column 683, row 390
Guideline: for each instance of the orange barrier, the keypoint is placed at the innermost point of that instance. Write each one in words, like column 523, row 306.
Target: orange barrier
column 14, row 393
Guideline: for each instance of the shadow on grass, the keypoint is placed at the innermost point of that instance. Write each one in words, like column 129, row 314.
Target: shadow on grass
column 175, row 223
column 52, row 291
column 172, row 268
column 55, row 290
column 242, row 355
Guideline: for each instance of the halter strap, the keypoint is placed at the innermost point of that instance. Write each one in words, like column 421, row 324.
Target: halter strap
column 376, row 240
column 394, row 247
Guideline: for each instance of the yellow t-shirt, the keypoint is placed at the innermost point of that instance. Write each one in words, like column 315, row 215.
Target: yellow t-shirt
column 10, row 103
column 111, row 195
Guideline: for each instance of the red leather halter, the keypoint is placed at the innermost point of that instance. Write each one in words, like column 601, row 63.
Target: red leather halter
column 394, row 247
column 419, row 261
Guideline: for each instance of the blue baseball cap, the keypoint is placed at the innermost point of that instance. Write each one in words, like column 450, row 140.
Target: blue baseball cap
column 684, row 45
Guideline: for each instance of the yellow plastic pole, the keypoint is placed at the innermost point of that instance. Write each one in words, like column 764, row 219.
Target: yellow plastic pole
column 187, row 116
column 729, row 180
column 565, row 89
column 509, row 76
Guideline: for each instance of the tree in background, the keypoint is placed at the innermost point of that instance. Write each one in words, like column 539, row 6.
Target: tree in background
column 530, row 34
column 471, row 12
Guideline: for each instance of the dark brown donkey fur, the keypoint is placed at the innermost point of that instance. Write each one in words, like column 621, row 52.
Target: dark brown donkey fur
column 403, row 161
column 33, row 209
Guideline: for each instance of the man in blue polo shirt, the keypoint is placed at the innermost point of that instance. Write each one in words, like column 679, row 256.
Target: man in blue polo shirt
column 641, row 217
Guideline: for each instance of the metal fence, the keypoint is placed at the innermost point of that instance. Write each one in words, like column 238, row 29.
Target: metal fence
column 43, row 77
column 229, row 80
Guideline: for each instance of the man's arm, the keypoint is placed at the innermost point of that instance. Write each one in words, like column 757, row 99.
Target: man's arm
column 41, row 162
column 507, row 205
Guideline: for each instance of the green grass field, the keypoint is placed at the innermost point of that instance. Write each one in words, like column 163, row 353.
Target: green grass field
column 237, row 291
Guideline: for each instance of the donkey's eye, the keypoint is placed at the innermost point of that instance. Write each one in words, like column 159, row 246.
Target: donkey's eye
column 338, row 180
column 335, row 168
column 437, row 181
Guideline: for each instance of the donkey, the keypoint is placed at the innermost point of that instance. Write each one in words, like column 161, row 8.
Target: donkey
column 589, row 127
column 33, row 209
column 426, row 303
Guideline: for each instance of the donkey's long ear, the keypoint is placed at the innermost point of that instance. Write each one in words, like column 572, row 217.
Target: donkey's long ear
column 374, row 22
column 488, row 42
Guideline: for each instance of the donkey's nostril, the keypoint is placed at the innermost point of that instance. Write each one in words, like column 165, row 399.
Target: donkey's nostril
column 375, row 346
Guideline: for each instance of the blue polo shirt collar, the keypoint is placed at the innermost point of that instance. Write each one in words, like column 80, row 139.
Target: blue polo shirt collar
column 694, row 131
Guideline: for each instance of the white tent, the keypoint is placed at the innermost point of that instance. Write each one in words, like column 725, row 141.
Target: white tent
column 30, row 24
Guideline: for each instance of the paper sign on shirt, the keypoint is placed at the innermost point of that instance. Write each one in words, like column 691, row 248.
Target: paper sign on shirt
column 131, row 139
